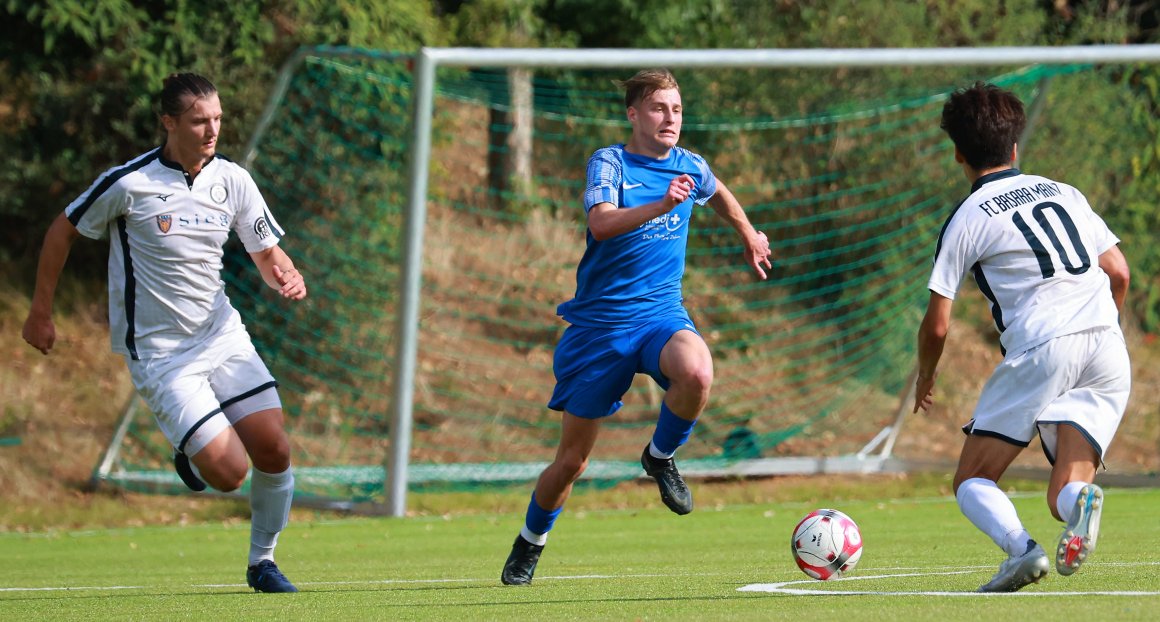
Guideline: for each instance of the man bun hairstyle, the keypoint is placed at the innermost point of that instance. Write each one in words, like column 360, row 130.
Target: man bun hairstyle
column 645, row 83
column 984, row 121
column 177, row 85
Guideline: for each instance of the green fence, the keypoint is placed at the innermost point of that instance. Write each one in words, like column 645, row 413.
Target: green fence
column 847, row 172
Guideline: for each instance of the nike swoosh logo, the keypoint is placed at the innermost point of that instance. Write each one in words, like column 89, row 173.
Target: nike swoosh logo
column 163, row 197
column 631, row 186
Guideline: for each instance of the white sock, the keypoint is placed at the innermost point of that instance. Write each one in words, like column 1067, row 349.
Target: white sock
column 270, row 498
column 656, row 453
column 535, row 538
column 993, row 513
column 1065, row 502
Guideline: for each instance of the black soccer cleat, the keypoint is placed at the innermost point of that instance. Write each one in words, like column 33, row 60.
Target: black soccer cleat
column 521, row 564
column 265, row 577
column 185, row 472
column 674, row 493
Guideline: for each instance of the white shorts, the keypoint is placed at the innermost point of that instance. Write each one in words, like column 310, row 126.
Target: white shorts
column 1082, row 380
column 197, row 393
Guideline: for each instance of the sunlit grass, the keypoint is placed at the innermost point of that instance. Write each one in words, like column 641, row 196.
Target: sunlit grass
column 922, row 561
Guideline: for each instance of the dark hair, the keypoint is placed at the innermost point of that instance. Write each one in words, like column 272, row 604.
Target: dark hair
column 177, row 86
column 645, row 83
column 984, row 121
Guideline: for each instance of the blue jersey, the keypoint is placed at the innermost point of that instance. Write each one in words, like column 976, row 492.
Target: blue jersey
column 636, row 276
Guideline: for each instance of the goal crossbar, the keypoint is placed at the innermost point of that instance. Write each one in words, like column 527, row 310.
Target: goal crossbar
column 834, row 57
column 429, row 59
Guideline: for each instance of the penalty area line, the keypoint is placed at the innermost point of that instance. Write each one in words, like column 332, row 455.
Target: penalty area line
column 784, row 588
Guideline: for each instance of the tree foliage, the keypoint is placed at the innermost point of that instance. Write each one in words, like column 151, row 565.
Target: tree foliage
column 79, row 76
column 1137, row 216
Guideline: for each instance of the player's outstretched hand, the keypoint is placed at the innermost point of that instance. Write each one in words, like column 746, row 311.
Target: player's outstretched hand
column 757, row 254
column 39, row 332
column 679, row 189
column 293, row 285
column 924, row 393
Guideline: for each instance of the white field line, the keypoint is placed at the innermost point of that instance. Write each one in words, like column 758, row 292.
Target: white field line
column 822, row 588
column 835, row 587
column 324, row 583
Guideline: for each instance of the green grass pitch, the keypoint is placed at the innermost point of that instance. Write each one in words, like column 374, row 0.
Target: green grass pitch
column 921, row 561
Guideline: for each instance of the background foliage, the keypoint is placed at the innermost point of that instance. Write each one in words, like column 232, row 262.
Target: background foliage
column 78, row 77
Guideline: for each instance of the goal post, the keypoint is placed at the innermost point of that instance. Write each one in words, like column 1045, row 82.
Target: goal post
column 423, row 357
column 429, row 59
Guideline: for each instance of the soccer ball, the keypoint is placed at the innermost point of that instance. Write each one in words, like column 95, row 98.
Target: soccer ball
column 826, row 544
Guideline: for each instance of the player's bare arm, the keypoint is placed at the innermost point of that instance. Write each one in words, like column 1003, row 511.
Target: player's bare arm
column 1112, row 262
column 757, row 251
column 278, row 272
column 39, row 330
column 932, row 336
column 605, row 220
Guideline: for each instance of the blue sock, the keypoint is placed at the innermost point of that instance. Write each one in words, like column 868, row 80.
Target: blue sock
column 539, row 521
column 672, row 432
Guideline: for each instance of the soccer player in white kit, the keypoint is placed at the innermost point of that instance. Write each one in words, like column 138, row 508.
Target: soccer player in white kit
column 167, row 214
column 1056, row 282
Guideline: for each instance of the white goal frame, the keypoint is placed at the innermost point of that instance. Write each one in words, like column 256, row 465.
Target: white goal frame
column 875, row 457
column 430, row 59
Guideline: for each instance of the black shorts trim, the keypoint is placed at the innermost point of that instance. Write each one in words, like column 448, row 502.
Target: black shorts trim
column 970, row 430
column 200, row 422
column 273, row 384
column 1088, row 437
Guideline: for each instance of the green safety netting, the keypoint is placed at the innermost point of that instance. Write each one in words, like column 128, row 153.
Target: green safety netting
column 846, row 171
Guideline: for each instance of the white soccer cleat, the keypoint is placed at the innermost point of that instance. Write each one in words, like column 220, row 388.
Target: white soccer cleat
column 1018, row 572
column 1078, row 539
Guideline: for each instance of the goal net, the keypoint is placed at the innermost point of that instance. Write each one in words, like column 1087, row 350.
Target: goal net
column 845, row 169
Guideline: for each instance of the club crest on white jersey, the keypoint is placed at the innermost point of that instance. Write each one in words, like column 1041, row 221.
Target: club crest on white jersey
column 166, row 236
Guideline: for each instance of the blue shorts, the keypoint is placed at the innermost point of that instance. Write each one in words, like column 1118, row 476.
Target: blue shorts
column 594, row 367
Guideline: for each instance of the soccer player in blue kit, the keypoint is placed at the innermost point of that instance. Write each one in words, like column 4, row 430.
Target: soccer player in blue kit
column 627, row 316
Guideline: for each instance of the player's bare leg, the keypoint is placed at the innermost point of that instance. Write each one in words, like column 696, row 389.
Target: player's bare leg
column 686, row 362
column 982, row 462
column 271, row 493
column 984, row 457
column 577, row 439
column 264, row 436
column 222, row 462
column 1074, row 499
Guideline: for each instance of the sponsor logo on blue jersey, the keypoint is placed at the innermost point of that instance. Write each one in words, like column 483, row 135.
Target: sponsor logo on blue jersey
column 663, row 227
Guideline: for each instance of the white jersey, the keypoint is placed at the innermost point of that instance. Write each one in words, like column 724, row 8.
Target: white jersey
column 1033, row 247
column 167, row 234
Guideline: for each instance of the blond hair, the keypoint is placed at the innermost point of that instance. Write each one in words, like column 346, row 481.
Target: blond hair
column 646, row 82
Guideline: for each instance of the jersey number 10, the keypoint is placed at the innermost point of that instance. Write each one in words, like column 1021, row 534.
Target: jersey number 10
column 1046, row 265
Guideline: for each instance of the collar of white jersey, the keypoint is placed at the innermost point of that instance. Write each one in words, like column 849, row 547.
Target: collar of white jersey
column 177, row 166
column 996, row 176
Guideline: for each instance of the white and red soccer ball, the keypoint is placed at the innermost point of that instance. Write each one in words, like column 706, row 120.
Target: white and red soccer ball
column 826, row 544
